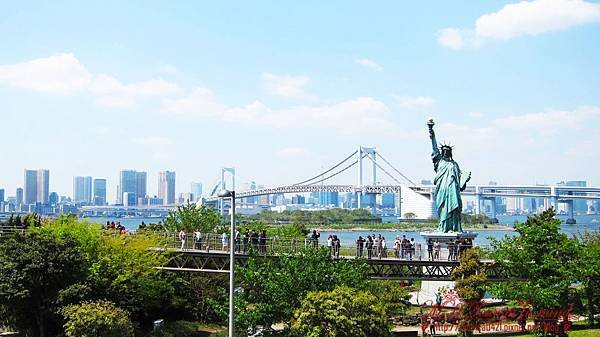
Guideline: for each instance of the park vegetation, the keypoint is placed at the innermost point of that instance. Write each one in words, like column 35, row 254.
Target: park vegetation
column 69, row 278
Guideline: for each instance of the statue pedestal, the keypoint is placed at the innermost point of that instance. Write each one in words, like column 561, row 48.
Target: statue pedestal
column 444, row 238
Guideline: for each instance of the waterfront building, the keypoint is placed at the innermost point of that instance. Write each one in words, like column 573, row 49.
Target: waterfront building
column 37, row 185
column 1, row 195
column 43, row 186
column 99, row 192
column 166, row 187
column 30, row 184
column 131, row 181
column 129, row 199
column 82, row 190
column 184, row 198
column 329, row 199
column 251, row 186
column 298, row 199
column 388, row 200
column 196, row 190
column 19, row 196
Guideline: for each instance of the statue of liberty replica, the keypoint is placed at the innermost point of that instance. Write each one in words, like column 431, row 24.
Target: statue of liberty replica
column 449, row 181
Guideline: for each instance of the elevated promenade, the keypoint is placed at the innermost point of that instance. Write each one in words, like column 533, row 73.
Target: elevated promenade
column 208, row 256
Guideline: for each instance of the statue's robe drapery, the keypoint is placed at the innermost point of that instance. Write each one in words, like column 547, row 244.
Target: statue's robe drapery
column 449, row 181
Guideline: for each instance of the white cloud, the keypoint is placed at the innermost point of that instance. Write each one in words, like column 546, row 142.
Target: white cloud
column 64, row 74
column 535, row 17
column 550, row 122
column 414, row 102
column 362, row 114
column 60, row 73
column 293, row 152
column 523, row 18
column 369, row 64
column 168, row 69
column 451, row 38
column 286, row 85
column 111, row 92
column 153, row 141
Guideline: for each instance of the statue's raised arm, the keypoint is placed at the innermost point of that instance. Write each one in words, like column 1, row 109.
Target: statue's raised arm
column 435, row 154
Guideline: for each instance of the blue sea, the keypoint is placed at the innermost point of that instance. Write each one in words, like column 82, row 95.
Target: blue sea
column 589, row 223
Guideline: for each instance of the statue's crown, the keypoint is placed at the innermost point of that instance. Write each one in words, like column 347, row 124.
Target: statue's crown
column 446, row 146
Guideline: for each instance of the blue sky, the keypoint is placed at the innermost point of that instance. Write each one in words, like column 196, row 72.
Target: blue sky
column 283, row 89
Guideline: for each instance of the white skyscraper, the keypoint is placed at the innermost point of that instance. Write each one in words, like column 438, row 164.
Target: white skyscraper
column 82, row 190
column 166, row 187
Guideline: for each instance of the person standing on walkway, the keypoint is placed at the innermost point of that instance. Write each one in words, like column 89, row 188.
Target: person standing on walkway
column 383, row 252
column 369, row 247
column 430, row 249
column 360, row 242
column 330, row 244
column 182, row 238
column 262, row 243
column 436, row 250
column 336, row 246
column 245, row 240
column 198, row 240
column 314, row 238
column 225, row 241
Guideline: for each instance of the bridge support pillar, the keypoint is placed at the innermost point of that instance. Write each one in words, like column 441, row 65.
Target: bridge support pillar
column 477, row 200
column 571, row 219
column 493, row 210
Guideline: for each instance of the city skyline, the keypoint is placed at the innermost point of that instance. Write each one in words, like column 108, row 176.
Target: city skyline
column 279, row 91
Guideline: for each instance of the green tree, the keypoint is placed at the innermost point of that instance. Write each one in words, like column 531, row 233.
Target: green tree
column 339, row 313
column 470, row 285
column 589, row 273
column 190, row 217
column 119, row 268
column 96, row 319
column 38, row 273
column 410, row 215
column 273, row 289
column 541, row 261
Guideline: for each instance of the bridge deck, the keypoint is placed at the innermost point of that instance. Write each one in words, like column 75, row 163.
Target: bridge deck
column 217, row 261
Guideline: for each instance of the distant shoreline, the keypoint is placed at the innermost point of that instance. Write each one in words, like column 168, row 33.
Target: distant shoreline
column 413, row 229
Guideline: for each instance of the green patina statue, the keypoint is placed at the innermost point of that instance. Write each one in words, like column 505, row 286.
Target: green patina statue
column 449, row 182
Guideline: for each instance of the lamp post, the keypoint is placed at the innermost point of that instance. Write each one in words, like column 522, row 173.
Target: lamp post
column 230, row 194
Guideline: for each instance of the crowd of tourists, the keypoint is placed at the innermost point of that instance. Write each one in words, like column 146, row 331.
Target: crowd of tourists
column 116, row 226
column 249, row 241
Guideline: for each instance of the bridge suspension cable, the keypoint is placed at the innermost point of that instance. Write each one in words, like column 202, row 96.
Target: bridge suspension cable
column 395, row 169
column 384, row 171
column 335, row 174
column 331, row 169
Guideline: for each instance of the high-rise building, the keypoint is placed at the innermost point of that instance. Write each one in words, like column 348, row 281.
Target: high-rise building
column 131, row 181
column 329, row 199
column 298, row 199
column 99, row 192
column 196, row 189
column 166, row 187
column 141, row 183
column 1, row 195
column 19, row 196
column 388, row 200
column 129, row 199
column 30, row 193
column 37, row 185
column 43, row 186
column 82, row 190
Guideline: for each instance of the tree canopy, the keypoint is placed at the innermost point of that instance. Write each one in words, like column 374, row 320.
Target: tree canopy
column 341, row 312
column 96, row 319
column 542, row 261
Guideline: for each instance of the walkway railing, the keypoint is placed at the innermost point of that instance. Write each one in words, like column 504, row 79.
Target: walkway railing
column 210, row 242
